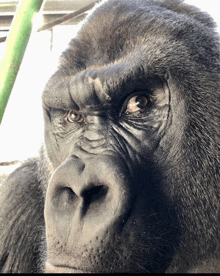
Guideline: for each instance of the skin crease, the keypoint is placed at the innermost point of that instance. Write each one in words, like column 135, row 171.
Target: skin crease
column 128, row 176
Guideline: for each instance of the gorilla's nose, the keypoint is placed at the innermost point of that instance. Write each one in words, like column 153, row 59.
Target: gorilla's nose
column 85, row 198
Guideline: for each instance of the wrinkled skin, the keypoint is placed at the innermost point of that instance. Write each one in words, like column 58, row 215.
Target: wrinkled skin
column 128, row 177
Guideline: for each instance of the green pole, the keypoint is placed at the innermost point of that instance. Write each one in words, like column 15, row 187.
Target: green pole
column 15, row 48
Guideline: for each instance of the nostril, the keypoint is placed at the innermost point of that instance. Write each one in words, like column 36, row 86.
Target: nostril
column 94, row 194
column 64, row 197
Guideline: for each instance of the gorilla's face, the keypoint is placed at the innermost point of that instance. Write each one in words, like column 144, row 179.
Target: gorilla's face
column 115, row 129
column 105, row 202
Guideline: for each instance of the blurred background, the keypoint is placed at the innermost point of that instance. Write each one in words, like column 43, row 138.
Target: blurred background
column 21, row 130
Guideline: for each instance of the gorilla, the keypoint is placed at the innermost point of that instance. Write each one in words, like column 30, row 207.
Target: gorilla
column 128, row 177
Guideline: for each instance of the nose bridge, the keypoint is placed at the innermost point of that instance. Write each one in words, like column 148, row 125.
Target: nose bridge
column 96, row 127
column 95, row 138
column 71, row 170
column 96, row 119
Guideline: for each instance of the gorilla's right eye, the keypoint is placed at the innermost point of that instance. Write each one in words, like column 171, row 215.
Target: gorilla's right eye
column 74, row 117
column 136, row 103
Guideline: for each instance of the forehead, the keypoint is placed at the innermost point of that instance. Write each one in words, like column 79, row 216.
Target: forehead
column 114, row 30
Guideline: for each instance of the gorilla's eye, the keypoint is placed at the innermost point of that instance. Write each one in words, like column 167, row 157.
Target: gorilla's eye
column 136, row 103
column 74, row 117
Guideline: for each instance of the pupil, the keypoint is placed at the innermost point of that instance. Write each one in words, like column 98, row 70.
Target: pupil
column 73, row 116
column 141, row 101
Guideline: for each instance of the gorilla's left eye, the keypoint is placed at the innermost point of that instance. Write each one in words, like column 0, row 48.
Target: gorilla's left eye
column 136, row 103
column 74, row 117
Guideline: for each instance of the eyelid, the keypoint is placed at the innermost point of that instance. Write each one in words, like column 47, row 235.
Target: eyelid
column 60, row 111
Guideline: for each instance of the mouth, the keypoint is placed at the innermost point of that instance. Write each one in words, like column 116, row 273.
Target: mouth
column 49, row 268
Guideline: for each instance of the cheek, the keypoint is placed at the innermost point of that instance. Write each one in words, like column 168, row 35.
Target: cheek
column 51, row 148
column 142, row 140
column 57, row 148
column 60, row 139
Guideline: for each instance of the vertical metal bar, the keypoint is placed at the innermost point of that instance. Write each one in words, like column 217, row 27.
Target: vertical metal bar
column 15, row 48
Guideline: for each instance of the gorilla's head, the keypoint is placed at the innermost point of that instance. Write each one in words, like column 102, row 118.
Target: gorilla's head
column 132, row 141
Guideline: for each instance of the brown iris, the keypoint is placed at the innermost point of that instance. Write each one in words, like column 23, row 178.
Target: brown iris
column 136, row 103
column 74, row 116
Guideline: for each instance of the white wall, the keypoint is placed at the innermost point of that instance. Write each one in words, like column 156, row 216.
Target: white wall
column 21, row 130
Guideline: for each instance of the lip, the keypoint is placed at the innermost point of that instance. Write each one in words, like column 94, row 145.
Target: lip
column 49, row 268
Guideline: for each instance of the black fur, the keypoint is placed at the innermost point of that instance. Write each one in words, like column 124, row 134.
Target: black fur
column 166, row 158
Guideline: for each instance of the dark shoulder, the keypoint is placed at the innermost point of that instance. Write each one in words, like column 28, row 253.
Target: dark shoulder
column 22, row 220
